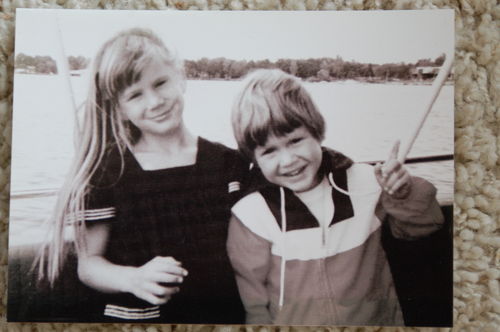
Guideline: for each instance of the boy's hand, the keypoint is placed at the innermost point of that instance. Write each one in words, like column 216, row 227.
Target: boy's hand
column 393, row 176
column 157, row 280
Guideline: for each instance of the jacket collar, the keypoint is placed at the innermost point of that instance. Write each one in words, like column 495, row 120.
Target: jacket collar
column 297, row 214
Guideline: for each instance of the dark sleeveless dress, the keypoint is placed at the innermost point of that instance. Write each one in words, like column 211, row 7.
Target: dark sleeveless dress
column 181, row 212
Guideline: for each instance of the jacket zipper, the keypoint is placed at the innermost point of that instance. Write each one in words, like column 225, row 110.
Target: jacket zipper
column 323, row 237
column 333, row 316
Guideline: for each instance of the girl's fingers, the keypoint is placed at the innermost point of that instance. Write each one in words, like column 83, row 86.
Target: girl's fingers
column 166, row 260
column 160, row 291
column 168, row 278
column 154, row 289
column 169, row 291
column 173, row 269
column 153, row 299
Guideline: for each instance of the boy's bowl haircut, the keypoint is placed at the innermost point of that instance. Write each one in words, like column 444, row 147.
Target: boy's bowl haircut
column 273, row 102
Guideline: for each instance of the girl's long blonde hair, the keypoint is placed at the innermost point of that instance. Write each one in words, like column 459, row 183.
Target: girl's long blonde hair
column 117, row 65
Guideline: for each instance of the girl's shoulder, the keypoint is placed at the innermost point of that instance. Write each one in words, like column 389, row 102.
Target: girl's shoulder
column 216, row 147
column 109, row 167
column 216, row 153
column 221, row 164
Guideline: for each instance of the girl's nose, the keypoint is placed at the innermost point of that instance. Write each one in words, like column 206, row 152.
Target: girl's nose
column 154, row 99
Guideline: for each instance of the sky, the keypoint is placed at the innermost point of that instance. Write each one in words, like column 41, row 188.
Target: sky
column 363, row 36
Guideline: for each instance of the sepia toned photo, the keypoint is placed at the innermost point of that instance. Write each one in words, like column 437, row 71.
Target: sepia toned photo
column 265, row 168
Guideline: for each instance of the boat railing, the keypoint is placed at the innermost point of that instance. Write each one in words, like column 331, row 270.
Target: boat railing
column 44, row 192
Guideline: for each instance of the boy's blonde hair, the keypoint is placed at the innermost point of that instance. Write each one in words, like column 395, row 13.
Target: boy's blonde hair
column 118, row 64
column 272, row 102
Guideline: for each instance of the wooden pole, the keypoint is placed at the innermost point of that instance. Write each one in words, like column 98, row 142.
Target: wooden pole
column 435, row 89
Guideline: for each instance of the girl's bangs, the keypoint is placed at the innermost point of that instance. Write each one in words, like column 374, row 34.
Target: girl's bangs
column 128, row 67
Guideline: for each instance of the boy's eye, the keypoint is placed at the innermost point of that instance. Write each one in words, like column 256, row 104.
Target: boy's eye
column 267, row 151
column 296, row 140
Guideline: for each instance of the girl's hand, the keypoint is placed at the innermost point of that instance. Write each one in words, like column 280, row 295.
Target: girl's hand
column 393, row 177
column 157, row 280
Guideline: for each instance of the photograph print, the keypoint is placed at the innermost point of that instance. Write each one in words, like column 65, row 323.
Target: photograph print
column 269, row 168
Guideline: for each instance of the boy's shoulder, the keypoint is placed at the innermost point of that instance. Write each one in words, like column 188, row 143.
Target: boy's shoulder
column 249, row 202
column 255, row 214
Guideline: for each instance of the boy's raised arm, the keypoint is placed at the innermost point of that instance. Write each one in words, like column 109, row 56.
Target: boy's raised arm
column 415, row 216
column 410, row 202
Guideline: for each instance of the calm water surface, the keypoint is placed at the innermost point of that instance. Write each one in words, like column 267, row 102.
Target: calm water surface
column 363, row 121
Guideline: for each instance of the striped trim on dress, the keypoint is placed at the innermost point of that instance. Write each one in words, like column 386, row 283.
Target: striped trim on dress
column 117, row 311
column 99, row 214
column 93, row 215
column 233, row 186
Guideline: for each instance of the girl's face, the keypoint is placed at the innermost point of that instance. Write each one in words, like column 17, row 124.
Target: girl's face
column 291, row 161
column 154, row 104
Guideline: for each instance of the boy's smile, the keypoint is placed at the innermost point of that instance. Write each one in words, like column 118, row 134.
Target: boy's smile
column 291, row 160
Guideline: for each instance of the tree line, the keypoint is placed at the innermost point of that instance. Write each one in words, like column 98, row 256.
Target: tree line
column 317, row 69
column 46, row 65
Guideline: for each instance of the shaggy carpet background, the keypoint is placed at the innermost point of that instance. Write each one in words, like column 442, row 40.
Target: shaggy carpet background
column 477, row 147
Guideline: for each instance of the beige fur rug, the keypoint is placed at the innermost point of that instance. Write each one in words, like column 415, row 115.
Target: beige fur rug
column 477, row 147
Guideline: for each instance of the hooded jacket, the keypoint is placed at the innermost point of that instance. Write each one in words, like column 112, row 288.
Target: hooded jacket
column 291, row 271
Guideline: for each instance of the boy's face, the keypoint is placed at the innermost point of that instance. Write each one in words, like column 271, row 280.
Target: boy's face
column 291, row 161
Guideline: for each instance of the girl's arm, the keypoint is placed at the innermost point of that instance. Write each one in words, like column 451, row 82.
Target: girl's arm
column 145, row 282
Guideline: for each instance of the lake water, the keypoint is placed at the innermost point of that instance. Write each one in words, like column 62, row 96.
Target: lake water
column 363, row 121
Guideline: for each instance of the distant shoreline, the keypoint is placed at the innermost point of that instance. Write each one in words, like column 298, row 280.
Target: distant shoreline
column 359, row 80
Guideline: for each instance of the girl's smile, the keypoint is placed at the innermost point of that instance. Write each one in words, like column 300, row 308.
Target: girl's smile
column 291, row 161
column 154, row 104
column 162, row 114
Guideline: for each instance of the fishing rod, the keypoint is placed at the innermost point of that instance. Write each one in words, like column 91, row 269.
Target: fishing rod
column 437, row 84
column 64, row 68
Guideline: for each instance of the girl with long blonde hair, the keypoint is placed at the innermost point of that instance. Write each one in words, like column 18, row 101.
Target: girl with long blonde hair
column 148, row 201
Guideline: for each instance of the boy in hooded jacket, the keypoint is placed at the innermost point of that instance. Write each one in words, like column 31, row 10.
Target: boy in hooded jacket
column 306, row 243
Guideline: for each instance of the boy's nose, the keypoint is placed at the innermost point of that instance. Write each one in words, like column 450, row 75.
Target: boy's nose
column 287, row 158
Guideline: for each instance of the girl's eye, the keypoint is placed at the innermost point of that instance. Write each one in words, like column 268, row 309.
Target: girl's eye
column 296, row 140
column 160, row 83
column 134, row 96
